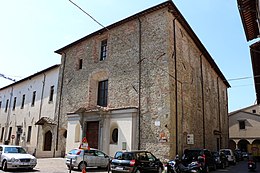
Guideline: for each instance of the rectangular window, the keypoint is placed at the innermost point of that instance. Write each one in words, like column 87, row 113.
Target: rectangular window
column 254, row 111
column 14, row 104
column 10, row 133
column 0, row 104
column 242, row 125
column 102, row 93
column 33, row 98
column 6, row 106
column 103, row 51
column 51, row 93
column 2, row 134
column 23, row 100
column 29, row 133
column 80, row 63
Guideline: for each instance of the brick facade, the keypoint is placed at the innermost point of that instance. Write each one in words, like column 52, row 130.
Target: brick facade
column 147, row 39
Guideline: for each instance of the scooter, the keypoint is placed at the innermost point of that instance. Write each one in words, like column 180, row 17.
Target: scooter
column 175, row 166
column 251, row 165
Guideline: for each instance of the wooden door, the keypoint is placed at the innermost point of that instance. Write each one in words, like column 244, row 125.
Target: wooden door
column 92, row 133
column 47, row 141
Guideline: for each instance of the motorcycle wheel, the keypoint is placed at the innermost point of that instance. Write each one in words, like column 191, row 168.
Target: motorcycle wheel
column 223, row 165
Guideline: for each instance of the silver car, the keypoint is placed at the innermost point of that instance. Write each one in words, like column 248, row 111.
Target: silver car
column 92, row 158
column 13, row 157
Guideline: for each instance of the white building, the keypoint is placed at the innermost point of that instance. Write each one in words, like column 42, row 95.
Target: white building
column 27, row 110
column 244, row 128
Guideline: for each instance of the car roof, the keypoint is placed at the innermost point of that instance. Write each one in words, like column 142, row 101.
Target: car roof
column 133, row 151
column 10, row 146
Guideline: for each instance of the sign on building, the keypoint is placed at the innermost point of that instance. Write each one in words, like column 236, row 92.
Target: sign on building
column 190, row 139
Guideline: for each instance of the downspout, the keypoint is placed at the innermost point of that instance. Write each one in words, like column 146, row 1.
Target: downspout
column 227, row 116
column 40, row 112
column 176, row 85
column 219, row 115
column 59, row 105
column 8, row 114
column 203, row 106
column 140, row 80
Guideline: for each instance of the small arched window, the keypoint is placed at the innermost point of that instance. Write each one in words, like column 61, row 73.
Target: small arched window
column 115, row 135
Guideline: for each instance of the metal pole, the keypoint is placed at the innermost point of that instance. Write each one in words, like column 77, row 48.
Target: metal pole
column 70, row 165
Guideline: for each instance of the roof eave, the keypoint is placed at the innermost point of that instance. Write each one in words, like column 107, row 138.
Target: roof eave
column 248, row 14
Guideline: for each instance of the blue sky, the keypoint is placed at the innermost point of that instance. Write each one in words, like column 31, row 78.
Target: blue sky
column 31, row 30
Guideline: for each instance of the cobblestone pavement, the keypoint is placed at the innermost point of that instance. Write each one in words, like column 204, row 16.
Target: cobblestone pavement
column 53, row 165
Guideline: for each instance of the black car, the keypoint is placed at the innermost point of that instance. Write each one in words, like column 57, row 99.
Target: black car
column 135, row 162
column 220, row 159
column 193, row 154
column 238, row 155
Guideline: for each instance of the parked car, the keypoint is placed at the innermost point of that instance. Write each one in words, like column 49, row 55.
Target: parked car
column 220, row 159
column 245, row 155
column 92, row 158
column 238, row 155
column 135, row 162
column 230, row 155
column 193, row 154
column 13, row 157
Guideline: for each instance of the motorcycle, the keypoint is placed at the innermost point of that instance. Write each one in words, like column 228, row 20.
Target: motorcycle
column 251, row 165
column 176, row 166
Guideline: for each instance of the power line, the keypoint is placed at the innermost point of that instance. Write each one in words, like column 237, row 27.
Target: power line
column 2, row 75
column 162, row 54
column 88, row 14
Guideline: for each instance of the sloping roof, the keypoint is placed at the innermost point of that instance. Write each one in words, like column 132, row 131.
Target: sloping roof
column 173, row 9
column 255, row 58
column 241, row 111
column 45, row 120
column 248, row 13
column 29, row 77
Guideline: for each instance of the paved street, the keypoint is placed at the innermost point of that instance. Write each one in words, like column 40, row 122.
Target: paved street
column 57, row 165
column 240, row 167
column 53, row 165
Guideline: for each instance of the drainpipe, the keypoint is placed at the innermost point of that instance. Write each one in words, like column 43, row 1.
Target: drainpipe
column 219, row 115
column 8, row 114
column 140, row 80
column 40, row 112
column 176, row 86
column 227, row 118
column 59, row 104
column 203, row 106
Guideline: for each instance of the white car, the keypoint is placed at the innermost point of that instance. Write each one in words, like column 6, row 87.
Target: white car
column 230, row 155
column 13, row 157
column 92, row 158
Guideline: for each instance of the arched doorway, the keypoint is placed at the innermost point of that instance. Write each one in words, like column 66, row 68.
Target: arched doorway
column 256, row 142
column 231, row 144
column 242, row 145
column 47, row 141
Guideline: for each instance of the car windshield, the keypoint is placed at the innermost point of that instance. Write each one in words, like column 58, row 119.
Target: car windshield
column 192, row 153
column 74, row 152
column 14, row 150
column 216, row 154
column 124, row 156
column 227, row 152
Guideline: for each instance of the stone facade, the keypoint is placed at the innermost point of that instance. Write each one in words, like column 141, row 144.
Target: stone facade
column 157, row 68
column 27, row 112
